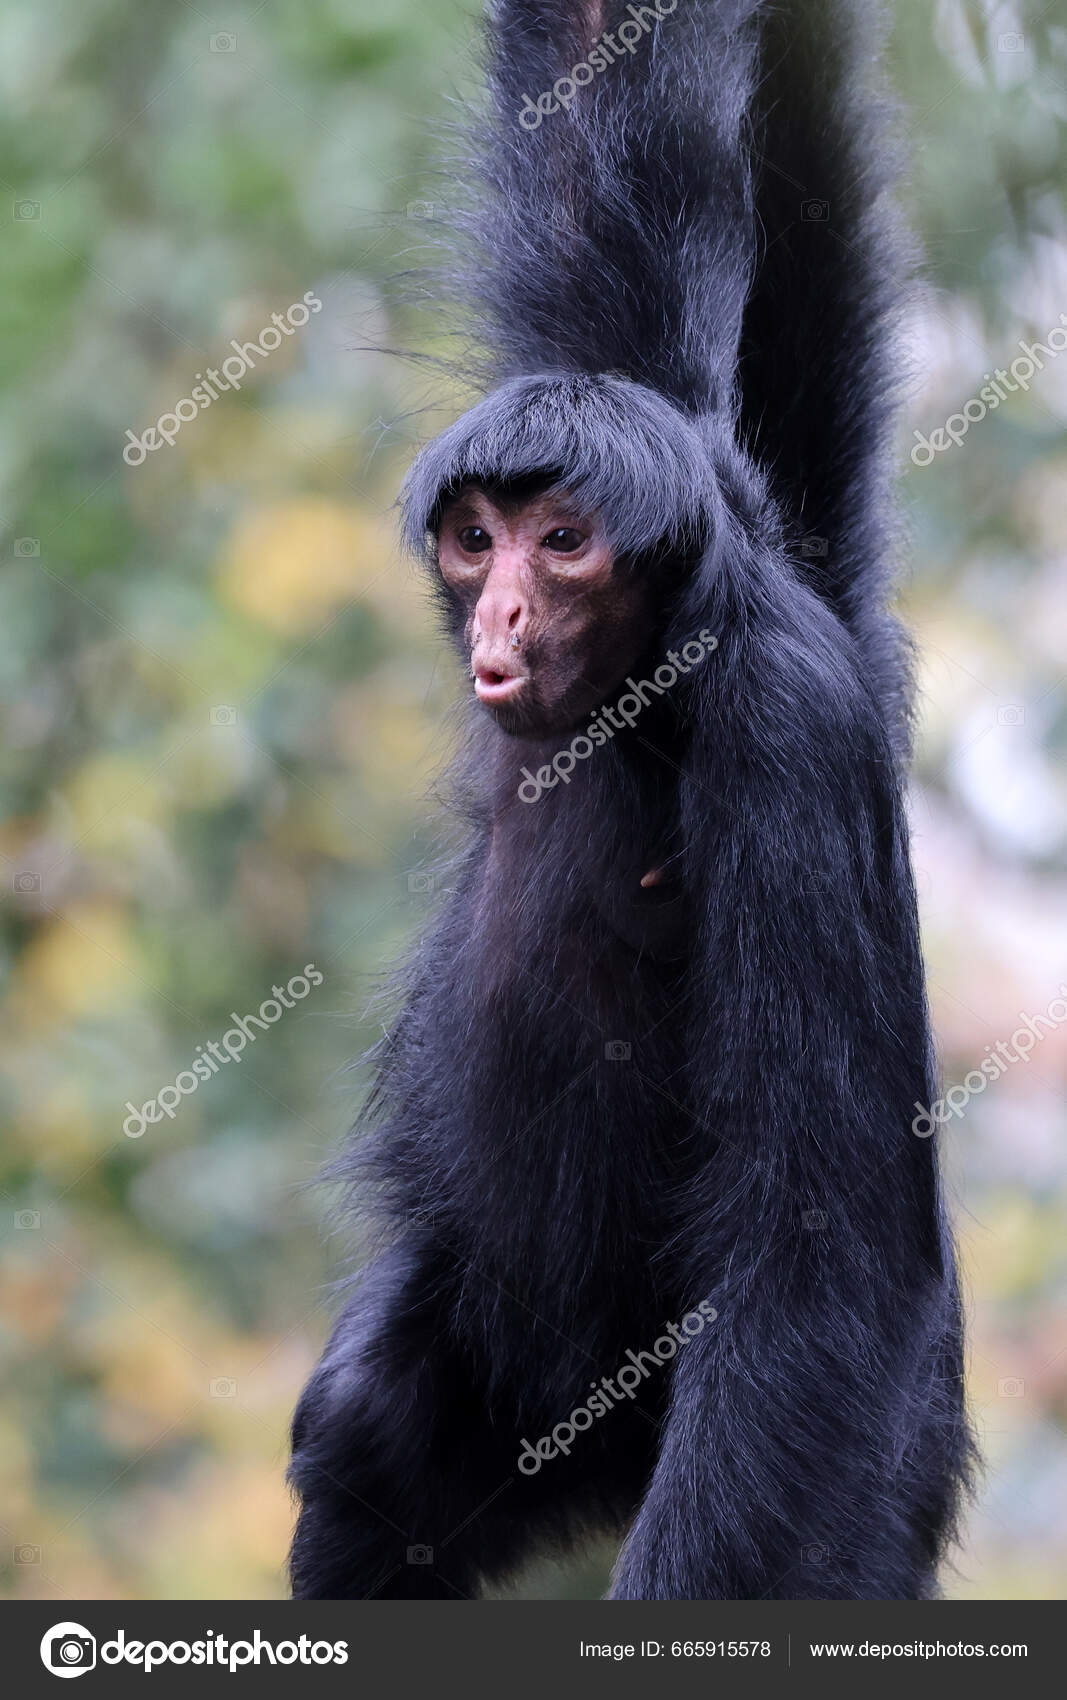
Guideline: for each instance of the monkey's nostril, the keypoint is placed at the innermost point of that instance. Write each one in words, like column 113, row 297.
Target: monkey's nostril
column 513, row 618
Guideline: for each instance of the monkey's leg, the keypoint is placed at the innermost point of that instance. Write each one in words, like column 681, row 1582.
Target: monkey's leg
column 775, row 1480
column 406, row 1466
column 384, row 1456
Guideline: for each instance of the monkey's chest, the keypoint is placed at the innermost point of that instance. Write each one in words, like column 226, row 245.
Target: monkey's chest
column 645, row 906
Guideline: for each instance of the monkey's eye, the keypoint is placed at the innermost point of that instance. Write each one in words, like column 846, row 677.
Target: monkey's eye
column 563, row 541
column 473, row 540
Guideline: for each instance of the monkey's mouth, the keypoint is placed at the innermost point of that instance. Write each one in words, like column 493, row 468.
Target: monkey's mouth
column 494, row 688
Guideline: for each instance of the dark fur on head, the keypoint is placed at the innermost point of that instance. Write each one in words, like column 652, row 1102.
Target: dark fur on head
column 619, row 449
column 602, row 1105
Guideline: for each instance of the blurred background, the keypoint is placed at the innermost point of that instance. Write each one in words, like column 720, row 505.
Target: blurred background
column 223, row 709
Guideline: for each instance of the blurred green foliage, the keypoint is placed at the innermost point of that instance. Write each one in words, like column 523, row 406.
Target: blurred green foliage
column 223, row 707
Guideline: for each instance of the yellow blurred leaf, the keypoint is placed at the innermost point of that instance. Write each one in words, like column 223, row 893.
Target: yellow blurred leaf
column 84, row 961
column 109, row 794
column 294, row 563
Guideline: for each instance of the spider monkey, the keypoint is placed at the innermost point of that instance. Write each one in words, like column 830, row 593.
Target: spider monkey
column 659, row 1055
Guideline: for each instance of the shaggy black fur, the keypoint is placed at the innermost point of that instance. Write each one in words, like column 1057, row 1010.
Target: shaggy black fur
column 603, row 1104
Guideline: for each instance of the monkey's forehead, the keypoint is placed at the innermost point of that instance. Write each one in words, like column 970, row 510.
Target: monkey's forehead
column 617, row 447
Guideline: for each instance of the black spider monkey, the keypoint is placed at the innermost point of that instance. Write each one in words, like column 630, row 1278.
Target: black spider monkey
column 654, row 1078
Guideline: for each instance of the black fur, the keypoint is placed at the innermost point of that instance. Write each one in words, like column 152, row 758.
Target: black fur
column 551, row 1200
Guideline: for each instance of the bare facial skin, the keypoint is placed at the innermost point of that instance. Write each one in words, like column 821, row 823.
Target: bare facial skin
column 553, row 624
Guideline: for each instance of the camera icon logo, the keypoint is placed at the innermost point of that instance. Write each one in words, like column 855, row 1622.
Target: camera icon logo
column 27, row 1555
column 1011, row 42
column 27, row 1219
column 223, row 714
column 223, row 1387
column 27, row 209
column 815, row 1221
column 814, row 548
column 68, row 1649
column 1011, row 1387
column 815, row 212
column 25, row 883
column 420, row 1555
column 1011, row 714
column 420, row 884
column 28, row 548
column 224, row 42
column 813, row 1555
column 421, row 209
column 617, row 1050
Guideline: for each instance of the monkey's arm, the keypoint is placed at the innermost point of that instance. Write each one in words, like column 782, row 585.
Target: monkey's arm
column 612, row 229
column 813, row 1224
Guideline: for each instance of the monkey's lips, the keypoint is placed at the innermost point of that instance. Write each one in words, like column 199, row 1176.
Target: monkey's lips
column 495, row 688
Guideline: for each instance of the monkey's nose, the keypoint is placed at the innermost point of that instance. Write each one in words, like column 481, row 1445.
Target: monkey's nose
column 501, row 614
column 499, row 621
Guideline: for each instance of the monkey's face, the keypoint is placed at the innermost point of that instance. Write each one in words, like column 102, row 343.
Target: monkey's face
column 551, row 621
